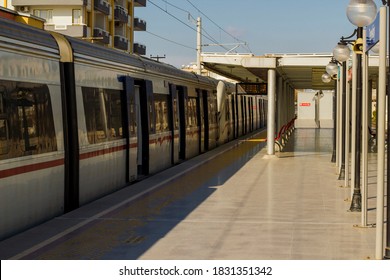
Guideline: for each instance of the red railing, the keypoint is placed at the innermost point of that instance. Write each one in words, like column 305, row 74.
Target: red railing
column 284, row 133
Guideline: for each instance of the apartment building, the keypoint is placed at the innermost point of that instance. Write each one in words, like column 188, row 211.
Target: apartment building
column 106, row 22
column 7, row 11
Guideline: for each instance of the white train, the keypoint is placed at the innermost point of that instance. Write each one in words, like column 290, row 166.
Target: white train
column 78, row 121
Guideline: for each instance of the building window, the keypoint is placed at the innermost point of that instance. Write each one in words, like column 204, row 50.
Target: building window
column 76, row 16
column 45, row 14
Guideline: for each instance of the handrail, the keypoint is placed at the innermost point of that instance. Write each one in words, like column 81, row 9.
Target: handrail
column 284, row 133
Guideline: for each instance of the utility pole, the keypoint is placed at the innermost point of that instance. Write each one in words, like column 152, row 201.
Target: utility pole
column 157, row 57
column 199, row 45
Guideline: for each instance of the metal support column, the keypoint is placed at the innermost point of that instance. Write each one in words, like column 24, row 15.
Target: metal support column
column 364, row 135
column 356, row 204
column 343, row 116
column 338, row 131
column 347, row 132
column 353, row 125
column 334, row 123
column 271, row 112
column 387, row 237
column 381, row 121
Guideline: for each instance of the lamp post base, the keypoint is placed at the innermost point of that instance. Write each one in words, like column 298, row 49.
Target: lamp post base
column 356, row 205
column 387, row 254
column 333, row 156
column 342, row 172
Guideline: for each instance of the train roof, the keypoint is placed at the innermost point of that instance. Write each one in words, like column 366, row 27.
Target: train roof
column 24, row 32
column 115, row 56
column 42, row 38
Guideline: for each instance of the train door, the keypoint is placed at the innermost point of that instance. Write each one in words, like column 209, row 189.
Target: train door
column 252, row 119
column 174, row 123
column 243, row 116
column 200, row 120
column 182, row 101
column 260, row 106
column 143, row 94
column 206, row 119
column 234, row 116
column 177, row 121
column 129, row 126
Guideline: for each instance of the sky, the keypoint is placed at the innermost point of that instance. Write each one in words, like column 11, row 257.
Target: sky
column 266, row 26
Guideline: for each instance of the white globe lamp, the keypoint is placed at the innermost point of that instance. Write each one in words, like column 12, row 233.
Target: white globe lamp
column 361, row 12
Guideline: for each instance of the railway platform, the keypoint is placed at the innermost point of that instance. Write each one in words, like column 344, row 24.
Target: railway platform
column 234, row 202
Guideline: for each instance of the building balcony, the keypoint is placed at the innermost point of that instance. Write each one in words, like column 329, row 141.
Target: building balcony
column 102, row 6
column 101, row 35
column 139, row 3
column 46, row 2
column 121, row 15
column 79, row 31
column 139, row 24
column 121, row 43
column 139, row 49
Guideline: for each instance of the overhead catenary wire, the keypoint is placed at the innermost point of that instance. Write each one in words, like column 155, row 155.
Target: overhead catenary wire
column 171, row 41
column 186, row 24
column 205, row 34
column 191, row 17
column 235, row 38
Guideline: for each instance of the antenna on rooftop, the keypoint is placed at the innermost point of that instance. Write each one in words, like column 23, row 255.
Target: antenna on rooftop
column 158, row 57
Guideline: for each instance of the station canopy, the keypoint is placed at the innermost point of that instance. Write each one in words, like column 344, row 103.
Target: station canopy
column 301, row 71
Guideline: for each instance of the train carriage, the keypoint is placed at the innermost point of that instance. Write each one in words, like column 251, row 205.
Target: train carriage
column 32, row 170
column 79, row 121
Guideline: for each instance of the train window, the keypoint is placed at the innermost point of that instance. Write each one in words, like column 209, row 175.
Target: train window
column 152, row 114
column 2, row 106
column 4, row 138
column 4, row 143
column 165, row 119
column 227, row 110
column 175, row 114
column 158, row 114
column 102, row 114
column 133, row 118
column 26, row 120
column 161, row 112
column 191, row 112
column 212, row 109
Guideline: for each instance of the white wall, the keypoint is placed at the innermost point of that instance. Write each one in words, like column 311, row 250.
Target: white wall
column 306, row 110
column 326, row 110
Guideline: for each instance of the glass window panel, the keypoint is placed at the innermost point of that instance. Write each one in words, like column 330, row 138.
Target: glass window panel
column 76, row 19
column 26, row 120
column 103, row 114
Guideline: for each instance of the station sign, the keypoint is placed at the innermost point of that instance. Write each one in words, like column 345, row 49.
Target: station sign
column 254, row 88
column 372, row 37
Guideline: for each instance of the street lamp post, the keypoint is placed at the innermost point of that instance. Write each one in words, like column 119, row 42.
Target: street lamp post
column 326, row 78
column 387, row 248
column 331, row 73
column 360, row 13
column 341, row 53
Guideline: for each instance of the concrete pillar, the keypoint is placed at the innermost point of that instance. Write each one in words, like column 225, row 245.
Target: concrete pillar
column 289, row 109
column 271, row 112
column 281, row 104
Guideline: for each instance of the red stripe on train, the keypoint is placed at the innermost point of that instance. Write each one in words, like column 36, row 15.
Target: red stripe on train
column 30, row 168
column 50, row 164
column 102, row 152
